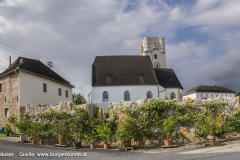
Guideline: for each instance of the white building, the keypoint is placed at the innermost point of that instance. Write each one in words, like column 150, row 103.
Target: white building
column 30, row 81
column 203, row 91
column 131, row 78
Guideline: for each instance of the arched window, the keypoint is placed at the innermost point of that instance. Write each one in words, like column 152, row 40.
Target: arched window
column 172, row 95
column 149, row 95
column 105, row 96
column 126, row 96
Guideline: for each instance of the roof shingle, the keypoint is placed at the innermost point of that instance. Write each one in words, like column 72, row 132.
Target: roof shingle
column 167, row 78
column 122, row 70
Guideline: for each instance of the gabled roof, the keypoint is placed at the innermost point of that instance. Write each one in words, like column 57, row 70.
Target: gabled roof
column 214, row 88
column 123, row 70
column 167, row 78
column 35, row 67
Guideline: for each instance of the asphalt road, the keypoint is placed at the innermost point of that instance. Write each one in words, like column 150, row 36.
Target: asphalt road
column 28, row 151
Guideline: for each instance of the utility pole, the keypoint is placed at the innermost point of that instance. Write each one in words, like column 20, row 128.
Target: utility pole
column 50, row 64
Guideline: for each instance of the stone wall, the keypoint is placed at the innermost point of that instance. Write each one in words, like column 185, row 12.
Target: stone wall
column 233, row 104
column 66, row 106
column 9, row 98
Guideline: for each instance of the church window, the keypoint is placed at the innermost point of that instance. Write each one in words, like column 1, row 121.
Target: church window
column 149, row 95
column 155, row 56
column 126, row 96
column 105, row 96
column 172, row 95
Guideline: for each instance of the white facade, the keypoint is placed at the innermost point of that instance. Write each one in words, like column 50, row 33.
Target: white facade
column 202, row 95
column 137, row 92
column 155, row 49
column 31, row 90
column 116, row 93
column 176, row 91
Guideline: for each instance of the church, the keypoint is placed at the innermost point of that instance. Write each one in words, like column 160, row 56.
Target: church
column 126, row 78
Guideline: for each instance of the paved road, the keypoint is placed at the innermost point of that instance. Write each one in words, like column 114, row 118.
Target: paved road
column 19, row 150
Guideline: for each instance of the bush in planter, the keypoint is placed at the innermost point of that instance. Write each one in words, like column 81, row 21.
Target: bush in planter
column 106, row 130
column 78, row 125
column 211, row 121
column 60, row 125
column 8, row 130
column 168, row 128
column 36, row 131
column 24, row 125
column 91, row 135
column 127, row 130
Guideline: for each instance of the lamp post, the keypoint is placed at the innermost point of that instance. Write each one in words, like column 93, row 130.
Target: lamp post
column 89, row 97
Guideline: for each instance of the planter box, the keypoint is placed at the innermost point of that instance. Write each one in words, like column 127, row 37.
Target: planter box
column 23, row 138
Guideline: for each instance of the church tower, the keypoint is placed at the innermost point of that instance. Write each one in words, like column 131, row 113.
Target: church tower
column 155, row 49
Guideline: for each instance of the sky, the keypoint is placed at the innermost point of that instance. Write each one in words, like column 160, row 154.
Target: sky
column 202, row 36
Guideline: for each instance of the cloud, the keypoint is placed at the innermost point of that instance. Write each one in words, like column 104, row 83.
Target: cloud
column 72, row 33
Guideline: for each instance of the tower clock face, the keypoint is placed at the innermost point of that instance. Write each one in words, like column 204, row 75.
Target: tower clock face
column 157, row 64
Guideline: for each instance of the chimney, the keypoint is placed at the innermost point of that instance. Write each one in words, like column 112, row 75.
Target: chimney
column 214, row 86
column 10, row 61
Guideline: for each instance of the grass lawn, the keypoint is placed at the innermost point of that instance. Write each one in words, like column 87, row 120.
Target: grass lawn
column 3, row 136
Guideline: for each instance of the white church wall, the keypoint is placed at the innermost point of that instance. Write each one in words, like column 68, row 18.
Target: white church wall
column 174, row 90
column 116, row 94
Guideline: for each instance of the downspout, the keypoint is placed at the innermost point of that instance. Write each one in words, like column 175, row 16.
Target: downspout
column 161, row 91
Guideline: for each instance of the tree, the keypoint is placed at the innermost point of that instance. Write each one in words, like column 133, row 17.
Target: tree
column 78, row 99
column 238, row 94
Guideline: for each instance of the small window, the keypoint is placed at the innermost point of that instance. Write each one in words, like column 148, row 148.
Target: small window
column 141, row 78
column 155, row 56
column 0, row 87
column 59, row 91
column 172, row 95
column 226, row 95
column 212, row 95
column 45, row 87
column 230, row 95
column 6, row 111
column 66, row 94
column 207, row 95
column 126, row 96
column 105, row 96
column 201, row 95
column 109, row 79
column 216, row 95
column 149, row 95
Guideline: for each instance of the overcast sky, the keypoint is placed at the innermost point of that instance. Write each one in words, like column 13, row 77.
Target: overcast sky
column 202, row 36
